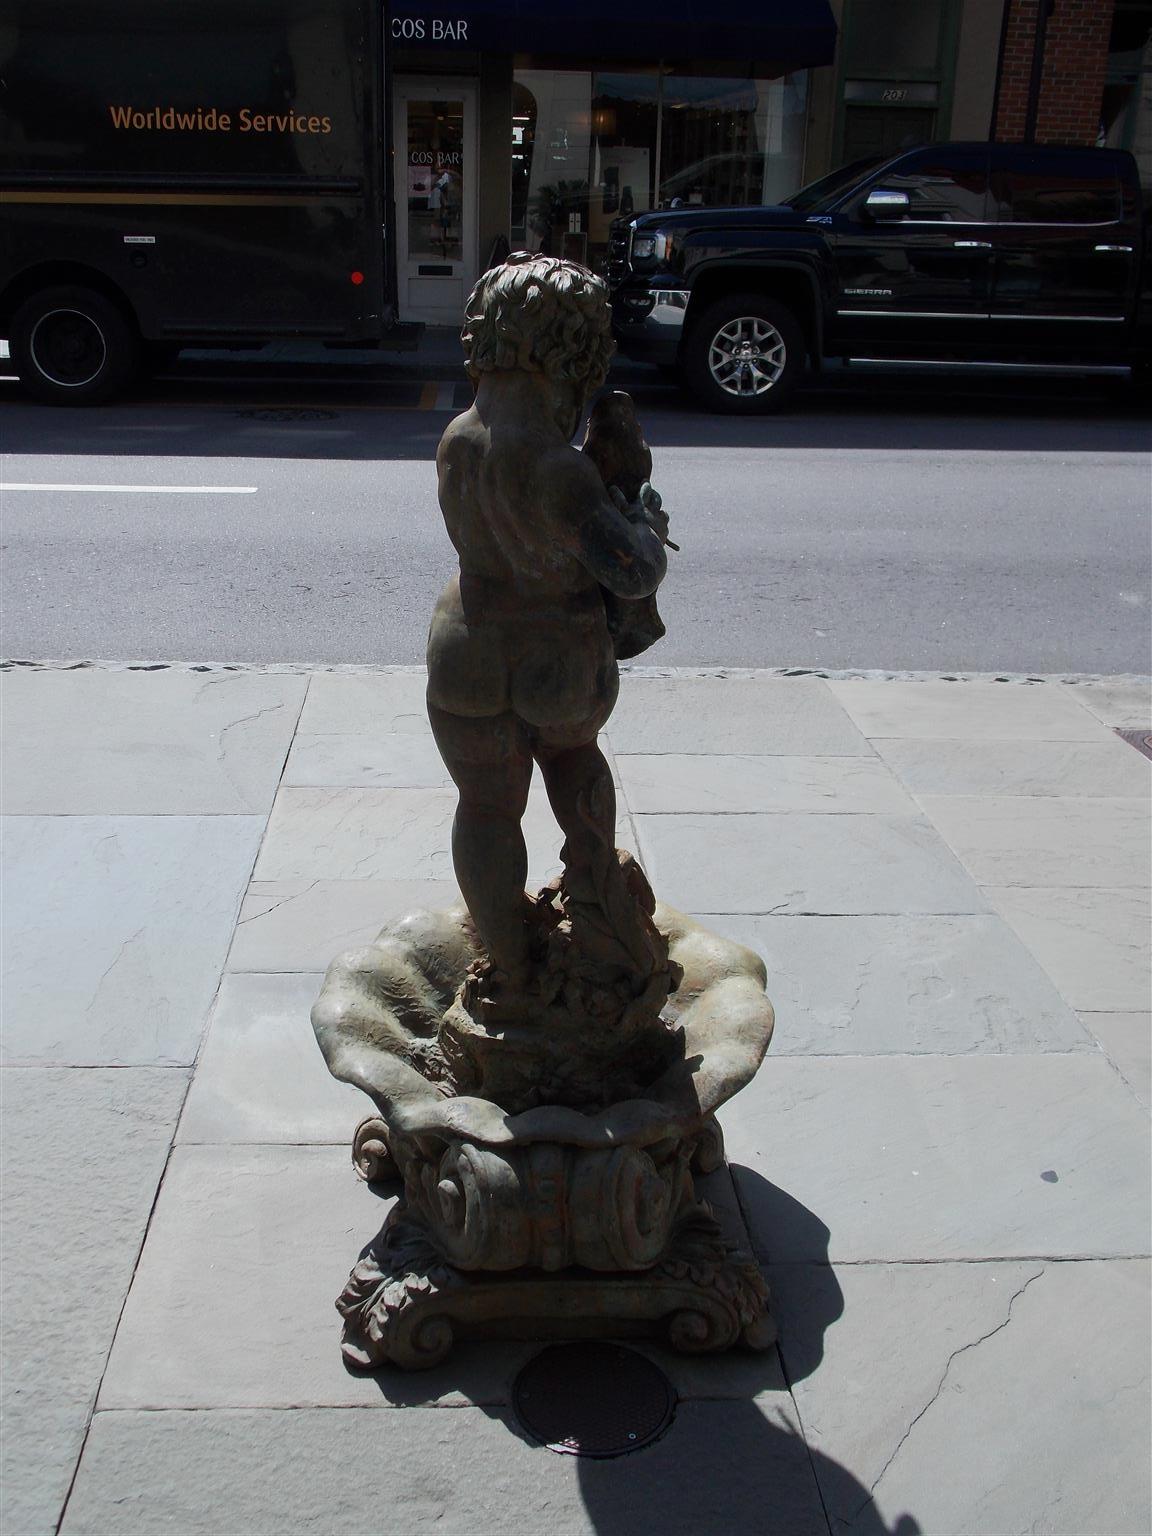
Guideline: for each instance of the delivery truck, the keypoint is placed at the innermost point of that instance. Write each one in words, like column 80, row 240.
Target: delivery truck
column 178, row 175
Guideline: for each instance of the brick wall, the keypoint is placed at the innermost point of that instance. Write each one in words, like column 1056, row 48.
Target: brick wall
column 1072, row 79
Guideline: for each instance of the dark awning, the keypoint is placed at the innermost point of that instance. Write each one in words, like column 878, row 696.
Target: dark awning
column 794, row 33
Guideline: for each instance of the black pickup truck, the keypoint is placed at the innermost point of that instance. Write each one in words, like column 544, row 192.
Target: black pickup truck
column 954, row 254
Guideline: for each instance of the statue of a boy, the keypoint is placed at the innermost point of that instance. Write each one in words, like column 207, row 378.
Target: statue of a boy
column 521, row 663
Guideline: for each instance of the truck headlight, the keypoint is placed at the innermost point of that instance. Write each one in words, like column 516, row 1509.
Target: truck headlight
column 651, row 247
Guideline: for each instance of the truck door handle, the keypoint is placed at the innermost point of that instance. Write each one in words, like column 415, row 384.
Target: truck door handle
column 972, row 245
column 1126, row 249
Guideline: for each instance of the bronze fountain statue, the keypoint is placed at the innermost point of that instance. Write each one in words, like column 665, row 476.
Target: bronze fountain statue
column 545, row 1067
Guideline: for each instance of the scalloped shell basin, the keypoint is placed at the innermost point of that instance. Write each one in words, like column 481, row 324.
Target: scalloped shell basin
column 549, row 1187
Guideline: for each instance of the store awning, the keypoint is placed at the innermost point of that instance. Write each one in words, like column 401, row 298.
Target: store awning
column 793, row 33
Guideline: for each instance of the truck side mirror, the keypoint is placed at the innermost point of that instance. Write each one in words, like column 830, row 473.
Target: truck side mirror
column 884, row 204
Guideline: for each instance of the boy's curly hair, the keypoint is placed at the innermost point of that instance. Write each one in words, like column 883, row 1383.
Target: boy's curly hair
column 541, row 314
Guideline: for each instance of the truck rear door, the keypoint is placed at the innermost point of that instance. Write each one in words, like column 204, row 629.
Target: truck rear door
column 1065, row 252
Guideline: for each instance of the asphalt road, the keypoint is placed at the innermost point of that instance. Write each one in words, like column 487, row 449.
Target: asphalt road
column 905, row 524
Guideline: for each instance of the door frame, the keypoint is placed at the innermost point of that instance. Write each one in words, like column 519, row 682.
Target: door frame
column 407, row 88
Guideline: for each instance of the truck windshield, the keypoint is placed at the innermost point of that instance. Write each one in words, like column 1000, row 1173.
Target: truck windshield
column 830, row 188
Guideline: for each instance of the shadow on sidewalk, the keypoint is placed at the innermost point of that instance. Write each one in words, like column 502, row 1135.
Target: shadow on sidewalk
column 734, row 1458
column 741, row 1464
column 749, row 1474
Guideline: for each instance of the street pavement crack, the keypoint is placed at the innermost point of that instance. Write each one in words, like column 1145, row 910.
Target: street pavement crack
column 955, row 1355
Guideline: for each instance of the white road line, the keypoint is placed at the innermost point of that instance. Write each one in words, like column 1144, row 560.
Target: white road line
column 147, row 490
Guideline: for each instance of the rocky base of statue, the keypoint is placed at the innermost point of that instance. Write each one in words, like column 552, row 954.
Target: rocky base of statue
column 550, row 1154
column 405, row 1306
column 587, row 1029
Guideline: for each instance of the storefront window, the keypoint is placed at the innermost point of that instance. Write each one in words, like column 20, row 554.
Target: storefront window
column 589, row 148
column 731, row 142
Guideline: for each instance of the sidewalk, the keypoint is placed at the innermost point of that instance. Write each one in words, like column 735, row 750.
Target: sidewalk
column 943, row 1162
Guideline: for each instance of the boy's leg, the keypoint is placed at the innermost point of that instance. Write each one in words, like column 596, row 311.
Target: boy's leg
column 491, row 766
column 611, row 921
column 583, row 800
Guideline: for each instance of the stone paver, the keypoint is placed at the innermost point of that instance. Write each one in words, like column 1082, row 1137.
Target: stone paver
column 1095, row 944
column 97, row 742
column 373, row 704
column 1124, row 703
column 1011, row 840
column 115, row 931
column 968, row 712
column 812, row 863
column 458, row 1472
column 795, row 717
column 384, row 762
column 302, row 925
column 389, row 834
column 941, row 1157
column 980, row 1398
column 232, row 1303
column 1126, row 1039
column 260, row 1076
column 365, row 834
column 681, row 782
column 873, row 985
column 82, row 1155
column 370, row 731
column 1089, row 768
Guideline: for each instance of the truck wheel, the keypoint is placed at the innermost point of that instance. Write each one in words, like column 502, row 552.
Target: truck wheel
column 72, row 346
column 744, row 355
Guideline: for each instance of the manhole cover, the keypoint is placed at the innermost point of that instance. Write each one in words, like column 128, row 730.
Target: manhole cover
column 1141, row 740
column 593, row 1400
column 287, row 413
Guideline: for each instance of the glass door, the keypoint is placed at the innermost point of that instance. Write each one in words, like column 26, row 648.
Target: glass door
column 435, row 145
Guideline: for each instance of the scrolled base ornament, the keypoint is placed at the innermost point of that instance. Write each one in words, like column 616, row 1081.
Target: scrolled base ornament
column 708, row 1154
column 720, row 1273
column 405, row 1306
column 371, row 1153
column 391, row 1304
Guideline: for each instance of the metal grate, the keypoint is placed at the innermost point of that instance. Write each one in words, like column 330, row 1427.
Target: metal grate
column 1141, row 740
column 593, row 1400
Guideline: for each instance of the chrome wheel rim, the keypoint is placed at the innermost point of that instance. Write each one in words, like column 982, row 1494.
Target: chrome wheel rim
column 68, row 348
column 747, row 357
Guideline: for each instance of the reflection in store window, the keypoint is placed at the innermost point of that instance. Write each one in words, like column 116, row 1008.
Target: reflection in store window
column 590, row 148
column 435, row 179
column 732, row 143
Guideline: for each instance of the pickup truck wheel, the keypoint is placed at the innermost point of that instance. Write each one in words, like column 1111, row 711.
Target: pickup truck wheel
column 744, row 355
column 72, row 346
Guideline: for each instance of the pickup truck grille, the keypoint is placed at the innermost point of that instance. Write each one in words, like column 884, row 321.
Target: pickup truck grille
column 616, row 267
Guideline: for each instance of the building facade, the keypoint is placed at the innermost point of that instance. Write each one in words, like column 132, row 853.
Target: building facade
column 519, row 127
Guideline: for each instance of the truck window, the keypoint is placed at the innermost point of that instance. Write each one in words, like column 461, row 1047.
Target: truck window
column 945, row 187
column 818, row 195
column 1057, row 190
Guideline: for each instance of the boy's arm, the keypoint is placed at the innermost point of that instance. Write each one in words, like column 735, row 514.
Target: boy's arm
column 614, row 542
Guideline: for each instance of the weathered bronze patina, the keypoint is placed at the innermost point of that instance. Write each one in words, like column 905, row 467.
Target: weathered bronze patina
column 545, row 1067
